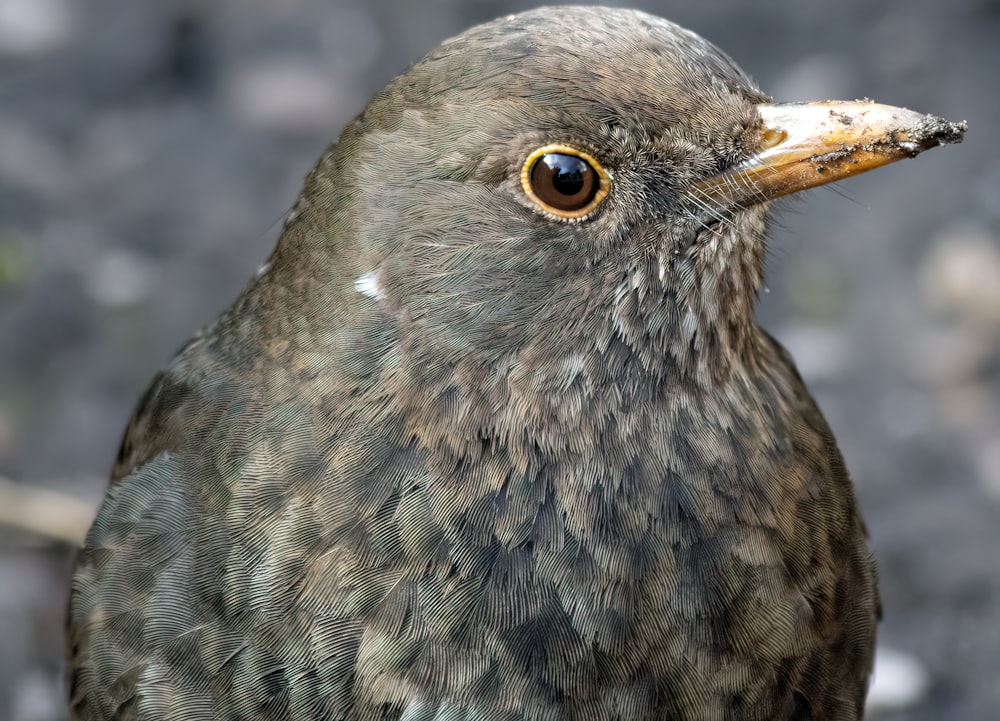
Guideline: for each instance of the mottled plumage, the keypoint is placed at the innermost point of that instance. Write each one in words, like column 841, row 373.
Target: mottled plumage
column 450, row 458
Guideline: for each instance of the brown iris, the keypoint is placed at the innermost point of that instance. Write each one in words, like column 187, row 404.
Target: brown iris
column 564, row 181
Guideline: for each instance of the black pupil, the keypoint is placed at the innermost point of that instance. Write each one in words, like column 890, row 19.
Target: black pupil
column 565, row 182
column 567, row 173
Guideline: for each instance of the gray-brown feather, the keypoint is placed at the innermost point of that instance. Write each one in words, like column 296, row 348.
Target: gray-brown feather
column 511, row 488
column 288, row 560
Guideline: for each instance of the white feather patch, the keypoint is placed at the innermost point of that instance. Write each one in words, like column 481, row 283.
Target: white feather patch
column 367, row 284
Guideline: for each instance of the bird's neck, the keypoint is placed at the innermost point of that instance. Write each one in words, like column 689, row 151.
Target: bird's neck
column 688, row 314
column 673, row 325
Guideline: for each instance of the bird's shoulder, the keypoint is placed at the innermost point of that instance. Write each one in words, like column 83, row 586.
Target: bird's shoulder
column 199, row 582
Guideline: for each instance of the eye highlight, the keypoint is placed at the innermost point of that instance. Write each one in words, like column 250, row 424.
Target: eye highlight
column 563, row 181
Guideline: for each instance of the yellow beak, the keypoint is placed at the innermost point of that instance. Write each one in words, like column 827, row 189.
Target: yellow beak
column 803, row 145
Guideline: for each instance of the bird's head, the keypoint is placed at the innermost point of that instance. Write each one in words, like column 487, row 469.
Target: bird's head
column 574, row 185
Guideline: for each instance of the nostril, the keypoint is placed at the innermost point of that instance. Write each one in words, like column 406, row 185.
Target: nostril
column 771, row 138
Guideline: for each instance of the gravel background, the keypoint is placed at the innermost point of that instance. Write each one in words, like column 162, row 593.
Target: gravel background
column 149, row 149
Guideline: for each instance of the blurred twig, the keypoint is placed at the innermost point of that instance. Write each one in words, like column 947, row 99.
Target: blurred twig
column 44, row 512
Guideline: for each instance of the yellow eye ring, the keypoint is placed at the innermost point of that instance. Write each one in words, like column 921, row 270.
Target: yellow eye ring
column 563, row 181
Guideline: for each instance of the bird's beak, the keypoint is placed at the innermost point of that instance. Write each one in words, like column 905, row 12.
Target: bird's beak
column 803, row 145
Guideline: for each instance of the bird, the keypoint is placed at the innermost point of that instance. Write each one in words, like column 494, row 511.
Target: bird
column 494, row 435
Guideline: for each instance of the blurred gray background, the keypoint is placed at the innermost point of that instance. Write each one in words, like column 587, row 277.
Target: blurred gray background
column 149, row 149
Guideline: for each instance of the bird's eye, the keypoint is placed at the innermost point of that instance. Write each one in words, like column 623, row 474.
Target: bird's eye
column 564, row 181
